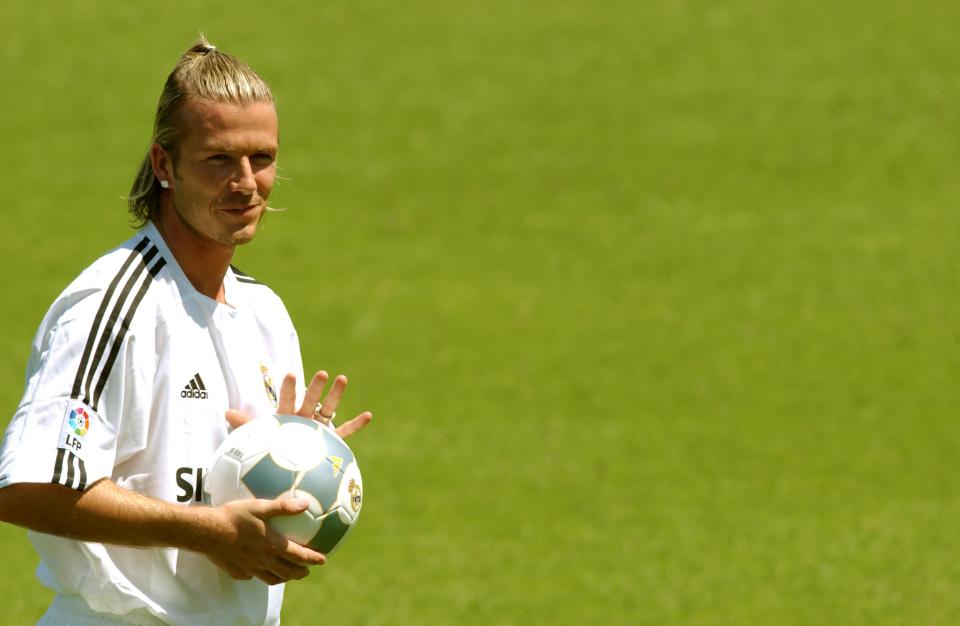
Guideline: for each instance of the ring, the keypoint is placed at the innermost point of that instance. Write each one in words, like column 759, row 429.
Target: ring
column 318, row 414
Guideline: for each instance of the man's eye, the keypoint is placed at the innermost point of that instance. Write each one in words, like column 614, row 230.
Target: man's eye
column 263, row 159
column 218, row 158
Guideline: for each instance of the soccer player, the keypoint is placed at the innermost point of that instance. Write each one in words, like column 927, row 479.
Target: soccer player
column 136, row 368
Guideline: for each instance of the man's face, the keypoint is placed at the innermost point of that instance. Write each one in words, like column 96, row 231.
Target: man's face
column 225, row 169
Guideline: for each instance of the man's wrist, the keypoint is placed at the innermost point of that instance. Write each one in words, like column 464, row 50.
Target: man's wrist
column 198, row 528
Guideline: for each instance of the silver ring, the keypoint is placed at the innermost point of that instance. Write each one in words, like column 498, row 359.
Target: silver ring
column 318, row 414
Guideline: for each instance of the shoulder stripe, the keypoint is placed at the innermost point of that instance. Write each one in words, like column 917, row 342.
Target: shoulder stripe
column 91, row 338
column 125, row 326
column 112, row 322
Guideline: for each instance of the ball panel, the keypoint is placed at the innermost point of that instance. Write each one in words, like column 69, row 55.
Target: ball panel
column 250, row 438
column 322, row 484
column 336, row 446
column 331, row 532
column 268, row 480
column 222, row 482
column 297, row 446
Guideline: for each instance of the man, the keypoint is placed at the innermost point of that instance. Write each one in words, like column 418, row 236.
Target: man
column 137, row 364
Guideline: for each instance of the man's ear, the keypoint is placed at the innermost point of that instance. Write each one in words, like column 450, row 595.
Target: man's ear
column 162, row 165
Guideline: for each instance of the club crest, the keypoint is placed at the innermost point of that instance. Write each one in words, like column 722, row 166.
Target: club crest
column 355, row 497
column 268, row 385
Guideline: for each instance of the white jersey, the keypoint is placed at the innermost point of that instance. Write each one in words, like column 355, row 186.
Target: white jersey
column 129, row 378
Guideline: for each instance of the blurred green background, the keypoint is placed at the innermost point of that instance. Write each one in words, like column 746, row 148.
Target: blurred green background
column 655, row 303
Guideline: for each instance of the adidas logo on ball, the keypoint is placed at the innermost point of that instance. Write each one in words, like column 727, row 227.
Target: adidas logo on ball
column 194, row 389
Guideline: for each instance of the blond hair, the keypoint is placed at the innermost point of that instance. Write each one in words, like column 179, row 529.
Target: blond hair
column 203, row 73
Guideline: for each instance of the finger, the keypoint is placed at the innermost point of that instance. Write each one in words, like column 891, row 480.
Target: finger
column 348, row 428
column 286, row 570
column 288, row 395
column 237, row 418
column 269, row 577
column 296, row 561
column 333, row 398
column 303, row 555
column 314, row 393
column 296, row 572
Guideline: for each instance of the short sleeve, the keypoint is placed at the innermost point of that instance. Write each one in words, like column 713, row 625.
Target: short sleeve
column 68, row 425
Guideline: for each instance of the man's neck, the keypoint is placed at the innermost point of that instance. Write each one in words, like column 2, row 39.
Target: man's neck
column 204, row 261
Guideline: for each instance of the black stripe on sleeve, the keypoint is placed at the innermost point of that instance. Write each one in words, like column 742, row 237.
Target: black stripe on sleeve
column 124, row 327
column 91, row 338
column 83, row 474
column 58, row 468
column 112, row 322
column 70, row 457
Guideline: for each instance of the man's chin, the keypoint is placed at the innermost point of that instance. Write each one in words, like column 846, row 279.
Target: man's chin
column 244, row 236
column 247, row 233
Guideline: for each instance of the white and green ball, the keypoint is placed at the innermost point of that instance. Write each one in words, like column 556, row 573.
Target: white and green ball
column 291, row 456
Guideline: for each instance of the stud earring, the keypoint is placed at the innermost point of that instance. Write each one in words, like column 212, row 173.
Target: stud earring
column 165, row 184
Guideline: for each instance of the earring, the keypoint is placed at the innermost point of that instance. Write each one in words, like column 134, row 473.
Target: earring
column 165, row 184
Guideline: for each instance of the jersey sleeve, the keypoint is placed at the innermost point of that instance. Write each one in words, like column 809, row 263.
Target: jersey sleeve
column 84, row 379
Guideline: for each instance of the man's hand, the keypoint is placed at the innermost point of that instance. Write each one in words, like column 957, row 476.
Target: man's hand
column 311, row 407
column 249, row 547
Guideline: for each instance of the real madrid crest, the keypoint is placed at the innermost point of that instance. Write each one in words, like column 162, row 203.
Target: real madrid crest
column 355, row 497
column 268, row 385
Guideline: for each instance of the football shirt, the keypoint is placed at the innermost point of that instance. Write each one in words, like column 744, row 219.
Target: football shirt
column 129, row 377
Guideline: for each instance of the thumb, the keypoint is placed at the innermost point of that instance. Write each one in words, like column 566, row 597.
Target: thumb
column 236, row 418
column 285, row 505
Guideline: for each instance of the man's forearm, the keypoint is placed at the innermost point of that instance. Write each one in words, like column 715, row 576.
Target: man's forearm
column 107, row 513
column 236, row 537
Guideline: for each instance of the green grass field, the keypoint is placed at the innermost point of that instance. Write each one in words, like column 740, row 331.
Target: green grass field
column 656, row 304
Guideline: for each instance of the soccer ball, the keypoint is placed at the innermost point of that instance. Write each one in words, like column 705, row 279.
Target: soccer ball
column 291, row 456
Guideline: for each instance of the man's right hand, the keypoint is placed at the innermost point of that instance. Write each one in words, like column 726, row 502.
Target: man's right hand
column 248, row 547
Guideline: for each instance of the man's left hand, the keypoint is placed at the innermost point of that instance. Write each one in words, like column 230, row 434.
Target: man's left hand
column 312, row 407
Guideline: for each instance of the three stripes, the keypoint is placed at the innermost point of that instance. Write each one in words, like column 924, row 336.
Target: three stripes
column 104, row 342
column 70, row 457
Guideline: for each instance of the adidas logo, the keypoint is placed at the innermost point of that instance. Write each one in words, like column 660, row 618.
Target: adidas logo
column 194, row 389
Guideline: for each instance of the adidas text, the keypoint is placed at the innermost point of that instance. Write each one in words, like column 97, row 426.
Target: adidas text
column 195, row 388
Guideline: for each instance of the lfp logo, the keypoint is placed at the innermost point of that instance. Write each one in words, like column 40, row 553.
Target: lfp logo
column 79, row 421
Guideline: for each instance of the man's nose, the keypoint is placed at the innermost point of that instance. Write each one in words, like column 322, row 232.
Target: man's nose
column 244, row 180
